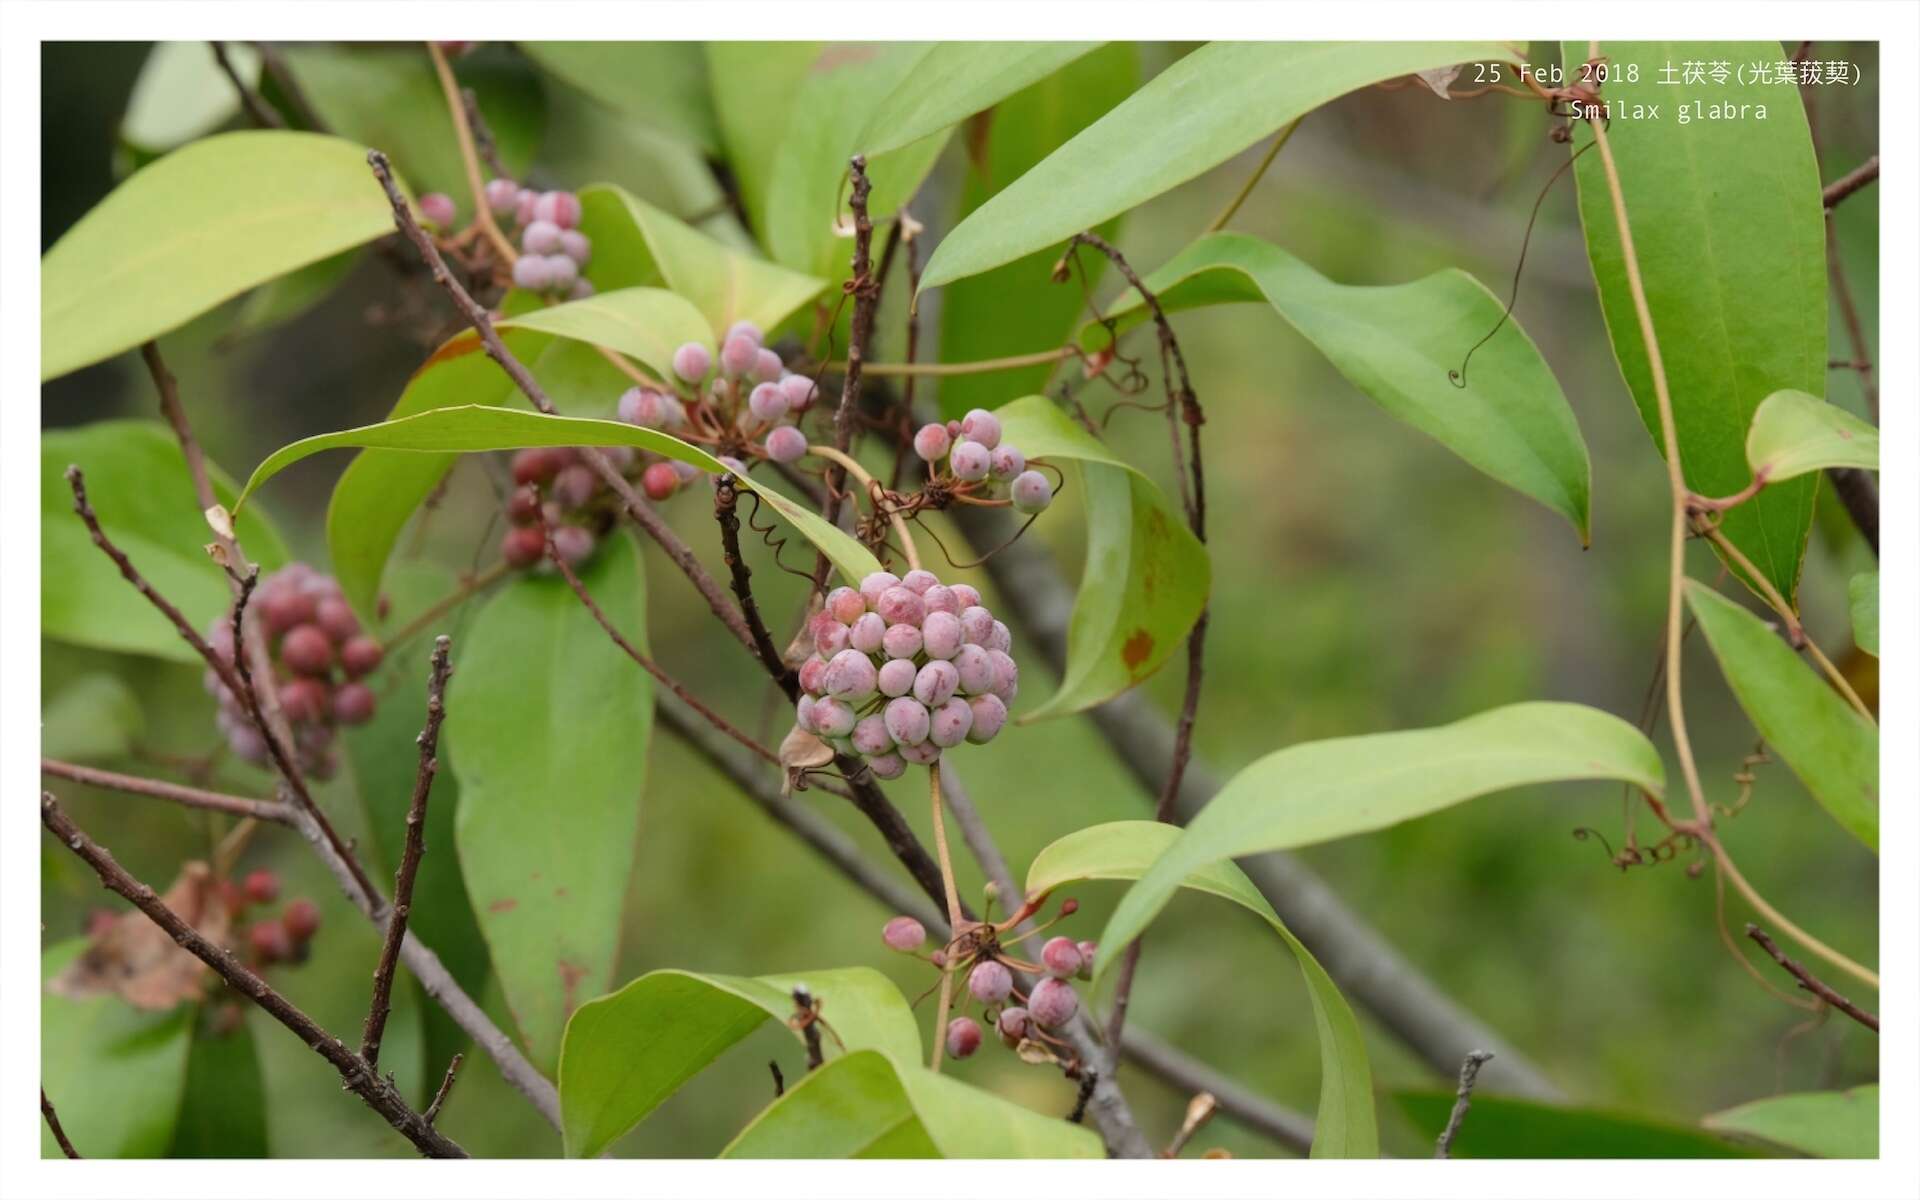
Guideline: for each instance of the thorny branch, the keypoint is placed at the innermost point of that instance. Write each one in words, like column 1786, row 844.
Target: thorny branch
column 410, row 855
column 356, row 1074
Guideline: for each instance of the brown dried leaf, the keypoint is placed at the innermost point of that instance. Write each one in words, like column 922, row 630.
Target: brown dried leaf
column 137, row 959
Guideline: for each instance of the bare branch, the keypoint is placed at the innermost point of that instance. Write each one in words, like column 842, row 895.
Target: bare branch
column 356, row 1074
column 1850, row 183
column 276, row 68
column 725, row 496
column 1809, row 982
column 257, row 108
column 53, row 1126
column 1462, row 1100
column 239, row 806
column 446, row 1085
column 866, row 295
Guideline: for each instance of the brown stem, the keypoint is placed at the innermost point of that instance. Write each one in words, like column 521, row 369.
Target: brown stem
column 446, row 1086
column 53, row 1126
column 866, row 296
column 1809, row 982
column 1851, row 182
column 483, row 142
column 410, row 855
column 257, row 108
column 356, row 1074
column 275, row 65
column 725, row 496
column 239, row 806
column 1462, row 1100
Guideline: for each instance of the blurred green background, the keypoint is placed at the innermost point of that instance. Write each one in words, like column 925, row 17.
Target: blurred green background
column 1365, row 580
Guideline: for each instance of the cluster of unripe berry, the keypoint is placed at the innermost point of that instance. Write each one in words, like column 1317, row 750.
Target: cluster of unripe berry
column 553, row 251
column 556, row 494
column 903, row 668
column 744, row 405
column 1024, row 1021
column 320, row 659
column 271, row 941
column 977, row 457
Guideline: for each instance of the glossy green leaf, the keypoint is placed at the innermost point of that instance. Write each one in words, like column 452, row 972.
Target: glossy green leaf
column 1344, row 1126
column 806, row 191
column 1398, row 344
column 662, row 84
column 1320, row 791
column 627, row 1052
column 1830, row 747
column 94, row 717
column 754, row 85
column 1794, row 433
column 647, row 323
column 955, row 80
column 1017, row 308
column 223, row 1112
column 1499, row 1127
column 636, row 244
column 1726, row 219
column 1146, row 577
column 200, row 226
column 1863, row 604
column 389, row 97
column 140, row 489
column 1196, row 114
column 181, row 94
column 1822, row 1124
column 867, row 1105
column 116, row 1073
column 547, row 728
column 473, row 428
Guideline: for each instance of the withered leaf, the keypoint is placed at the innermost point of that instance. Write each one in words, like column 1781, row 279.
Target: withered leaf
column 139, row 961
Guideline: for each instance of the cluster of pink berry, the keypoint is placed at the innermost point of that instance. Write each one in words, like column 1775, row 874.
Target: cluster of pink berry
column 320, row 657
column 273, row 940
column 904, row 668
column 557, row 494
column 553, row 251
column 1024, row 1026
column 746, row 408
column 978, row 457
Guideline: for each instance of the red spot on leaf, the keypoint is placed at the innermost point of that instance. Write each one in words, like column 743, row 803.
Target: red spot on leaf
column 1136, row 650
column 571, row 974
column 507, row 904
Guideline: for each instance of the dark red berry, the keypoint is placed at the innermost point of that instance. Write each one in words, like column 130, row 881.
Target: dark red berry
column 523, row 507
column 285, row 608
column 524, row 545
column 537, row 465
column 261, row 887
column 307, row 649
column 336, row 617
column 659, row 481
column 302, row 920
column 303, row 698
column 360, row 655
column 271, row 942
column 353, row 704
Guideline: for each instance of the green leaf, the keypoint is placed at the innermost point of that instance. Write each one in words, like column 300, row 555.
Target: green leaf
column 224, row 1110
column 867, row 1105
column 1794, row 433
column 955, row 80
column 636, row 244
column 1344, row 1126
column 200, row 226
column 389, row 97
column 181, row 94
column 1822, row 1124
column 281, row 300
column 142, row 492
column 806, row 191
column 95, row 717
column 547, row 728
column 1726, row 219
column 1830, row 747
column 473, row 428
column 646, row 323
column 662, row 84
column 1016, row 308
column 627, row 1052
column 115, row 1073
column 1146, row 577
column 1319, row 791
column 1398, row 344
column 754, row 85
column 1196, row 114
column 1498, row 1127
column 1863, row 604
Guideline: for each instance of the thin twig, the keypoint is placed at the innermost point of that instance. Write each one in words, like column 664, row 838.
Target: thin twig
column 275, row 64
column 1246, row 189
column 410, row 854
column 430, row 616
column 239, row 806
column 469, row 159
column 483, row 142
column 446, row 1085
column 914, row 370
column 1809, row 982
column 257, row 108
column 1462, row 1100
column 1850, row 183
column 53, row 1126
column 725, row 497
column 866, row 297
column 356, row 1074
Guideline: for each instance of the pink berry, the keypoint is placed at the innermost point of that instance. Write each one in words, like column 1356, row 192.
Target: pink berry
column 360, row 656
column 639, row 406
column 850, row 676
column 970, row 461
column 436, row 208
column 692, row 361
column 746, row 329
column 1053, row 1003
column 537, row 465
column 940, row 634
column 963, row 1036
column 990, row 982
column 981, row 426
column 767, row 367
column 1006, row 675
column 936, row 681
column 1061, row 955
column 870, row 735
column 562, row 271
column 686, row 471
column 1005, row 462
column 900, row 606
column 920, row 754
column 989, row 717
column 846, row 605
column 576, row 246
column 562, row 208
column 918, row 582
column 1031, row 492
column 833, row 718
column 803, row 711
column 502, row 196
column 1012, row 1026
column 887, row 766
column 307, row 649
column 800, row 392
column 868, row 633
column 573, row 544
column 896, row 676
column 1000, row 639
column 767, row 401
column 523, row 206
column 738, row 354
column 523, row 545
column 304, row 698
column 261, row 887
column 811, row 673
column 659, row 481
column 302, row 920
column 941, row 598
column 904, row 934
column 353, row 704
column 931, row 442
column 270, row 942
column 540, row 237
column 975, row 666
column 907, row 720
column 951, row 722
column 967, row 595
column 976, row 625
column 1087, row 951
column 830, row 637
column 580, row 290
column 876, row 583
column 574, row 486
column 334, row 615
column 534, row 272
